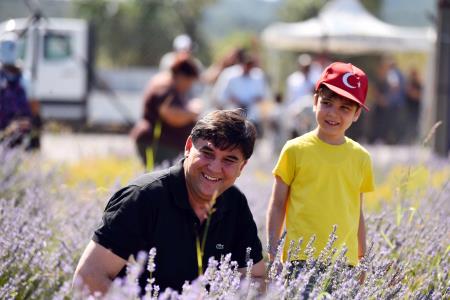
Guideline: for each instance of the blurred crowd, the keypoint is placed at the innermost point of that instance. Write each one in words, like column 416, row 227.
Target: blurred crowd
column 184, row 90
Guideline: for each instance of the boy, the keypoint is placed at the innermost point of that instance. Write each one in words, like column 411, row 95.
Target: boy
column 321, row 176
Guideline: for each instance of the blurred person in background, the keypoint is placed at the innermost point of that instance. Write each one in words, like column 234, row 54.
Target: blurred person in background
column 298, row 116
column 223, row 66
column 300, row 83
column 389, row 112
column 181, row 44
column 232, row 68
column 245, row 87
column 414, row 89
column 174, row 209
column 216, row 75
column 15, row 111
column 168, row 115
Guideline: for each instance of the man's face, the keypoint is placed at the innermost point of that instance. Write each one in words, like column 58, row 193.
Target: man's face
column 334, row 116
column 209, row 169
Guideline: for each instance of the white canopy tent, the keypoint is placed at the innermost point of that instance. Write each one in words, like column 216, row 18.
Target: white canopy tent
column 346, row 27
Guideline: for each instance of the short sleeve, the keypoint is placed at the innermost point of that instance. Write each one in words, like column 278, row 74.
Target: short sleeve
column 121, row 230
column 247, row 238
column 367, row 184
column 285, row 167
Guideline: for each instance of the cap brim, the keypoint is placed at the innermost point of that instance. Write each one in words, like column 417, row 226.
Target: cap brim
column 344, row 94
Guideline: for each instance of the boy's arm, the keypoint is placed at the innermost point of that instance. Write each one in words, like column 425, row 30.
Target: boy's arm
column 276, row 215
column 361, row 232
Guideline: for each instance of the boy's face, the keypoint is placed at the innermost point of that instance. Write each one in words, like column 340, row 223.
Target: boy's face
column 334, row 116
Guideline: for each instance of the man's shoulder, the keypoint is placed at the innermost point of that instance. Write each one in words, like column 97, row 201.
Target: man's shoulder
column 233, row 198
column 151, row 179
column 235, row 193
column 153, row 186
column 158, row 84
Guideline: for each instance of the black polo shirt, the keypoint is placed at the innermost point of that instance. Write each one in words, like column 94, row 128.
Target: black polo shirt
column 153, row 211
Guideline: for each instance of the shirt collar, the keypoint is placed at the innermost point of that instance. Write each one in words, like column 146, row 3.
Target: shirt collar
column 178, row 185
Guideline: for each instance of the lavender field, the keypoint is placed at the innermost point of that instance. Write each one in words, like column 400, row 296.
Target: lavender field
column 46, row 223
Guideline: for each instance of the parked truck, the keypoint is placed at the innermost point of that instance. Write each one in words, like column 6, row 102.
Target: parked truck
column 57, row 60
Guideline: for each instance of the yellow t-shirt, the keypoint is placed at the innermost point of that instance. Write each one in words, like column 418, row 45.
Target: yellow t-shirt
column 325, row 184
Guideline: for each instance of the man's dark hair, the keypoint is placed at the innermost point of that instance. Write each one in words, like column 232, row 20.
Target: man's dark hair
column 184, row 65
column 226, row 129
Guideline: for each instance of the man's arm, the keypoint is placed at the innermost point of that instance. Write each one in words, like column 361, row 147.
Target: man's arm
column 176, row 116
column 361, row 232
column 97, row 268
column 276, row 215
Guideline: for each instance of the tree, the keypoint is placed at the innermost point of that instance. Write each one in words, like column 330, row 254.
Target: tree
column 139, row 32
column 299, row 10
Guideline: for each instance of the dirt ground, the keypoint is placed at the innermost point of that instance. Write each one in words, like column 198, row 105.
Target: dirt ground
column 71, row 147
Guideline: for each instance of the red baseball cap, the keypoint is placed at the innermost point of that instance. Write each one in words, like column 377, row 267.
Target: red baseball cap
column 345, row 80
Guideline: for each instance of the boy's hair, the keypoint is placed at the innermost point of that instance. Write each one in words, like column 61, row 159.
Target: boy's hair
column 227, row 129
column 326, row 93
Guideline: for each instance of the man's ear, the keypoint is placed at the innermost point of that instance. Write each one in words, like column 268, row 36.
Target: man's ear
column 188, row 146
column 242, row 166
column 357, row 114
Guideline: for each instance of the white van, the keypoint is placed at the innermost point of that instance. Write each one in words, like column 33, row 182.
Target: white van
column 57, row 62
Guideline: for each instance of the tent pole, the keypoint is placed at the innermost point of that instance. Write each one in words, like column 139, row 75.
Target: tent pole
column 442, row 83
column 274, row 68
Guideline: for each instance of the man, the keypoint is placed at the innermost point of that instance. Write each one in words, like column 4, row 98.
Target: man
column 168, row 210
column 245, row 88
column 15, row 111
column 297, row 116
column 169, row 114
column 389, row 106
column 300, row 84
column 181, row 44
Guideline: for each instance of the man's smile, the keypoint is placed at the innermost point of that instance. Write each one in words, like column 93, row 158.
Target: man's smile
column 210, row 178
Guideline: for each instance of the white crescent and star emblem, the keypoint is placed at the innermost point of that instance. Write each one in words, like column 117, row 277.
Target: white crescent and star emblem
column 345, row 80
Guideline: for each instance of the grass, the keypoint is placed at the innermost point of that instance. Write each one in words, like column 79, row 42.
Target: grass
column 102, row 172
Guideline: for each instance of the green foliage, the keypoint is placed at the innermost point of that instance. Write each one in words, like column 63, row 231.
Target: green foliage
column 237, row 39
column 299, row 10
column 139, row 32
